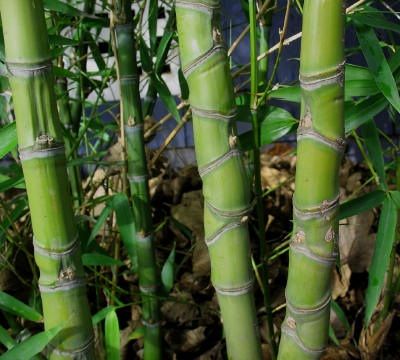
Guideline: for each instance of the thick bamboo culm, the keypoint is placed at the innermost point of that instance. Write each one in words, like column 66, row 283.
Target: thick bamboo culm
column 226, row 185
column 320, row 139
column 56, row 242
column 124, row 47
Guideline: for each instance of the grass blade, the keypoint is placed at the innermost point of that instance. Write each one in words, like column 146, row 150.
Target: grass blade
column 16, row 307
column 112, row 336
column 380, row 260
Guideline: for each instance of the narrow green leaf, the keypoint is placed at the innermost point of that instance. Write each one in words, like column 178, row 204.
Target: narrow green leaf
column 374, row 18
column 370, row 134
column 381, row 257
column 361, row 204
column 6, row 339
column 95, row 259
column 8, row 139
column 14, row 306
column 101, row 315
column 288, row 93
column 377, row 64
column 340, row 314
column 183, row 85
column 360, row 113
column 99, row 223
column 138, row 333
column 112, row 336
column 62, row 7
column 168, row 272
column 32, row 346
column 332, row 336
column 166, row 96
column 396, row 197
column 125, row 221
column 145, row 58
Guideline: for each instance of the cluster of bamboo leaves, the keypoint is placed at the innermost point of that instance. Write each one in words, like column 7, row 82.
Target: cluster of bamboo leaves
column 74, row 33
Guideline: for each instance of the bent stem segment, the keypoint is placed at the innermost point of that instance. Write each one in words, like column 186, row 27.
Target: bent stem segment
column 42, row 153
column 123, row 32
column 316, row 199
column 225, row 183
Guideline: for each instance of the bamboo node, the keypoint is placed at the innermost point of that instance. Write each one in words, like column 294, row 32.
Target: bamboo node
column 232, row 141
column 67, row 273
column 306, row 121
column 291, row 322
column 300, row 237
column 44, row 140
column 244, row 219
column 330, row 235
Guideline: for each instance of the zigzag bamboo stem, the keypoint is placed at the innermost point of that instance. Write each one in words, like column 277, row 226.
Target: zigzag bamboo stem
column 225, row 183
column 123, row 32
column 57, row 250
column 315, row 203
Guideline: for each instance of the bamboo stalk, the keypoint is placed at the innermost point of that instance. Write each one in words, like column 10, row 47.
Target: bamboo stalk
column 316, row 200
column 56, row 242
column 225, row 183
column 125, row 51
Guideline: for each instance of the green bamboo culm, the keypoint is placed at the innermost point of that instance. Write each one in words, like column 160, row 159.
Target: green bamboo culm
column 226, row 187
column 149, row 280
column 42, row 154
column 320, row 140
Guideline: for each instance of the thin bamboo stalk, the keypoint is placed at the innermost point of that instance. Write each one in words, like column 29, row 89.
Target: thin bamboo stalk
column 316, row 200
column 225, row 182
column 42, row 154
column 125, row 51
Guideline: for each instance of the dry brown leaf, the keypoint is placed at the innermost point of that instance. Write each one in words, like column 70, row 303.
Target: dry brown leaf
column 373, row 337
column 356, row 246
column 182, row 310
column 186, row 340
column 341, row 282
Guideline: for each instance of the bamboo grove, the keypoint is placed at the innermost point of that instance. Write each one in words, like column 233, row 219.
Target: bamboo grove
column 116, row 259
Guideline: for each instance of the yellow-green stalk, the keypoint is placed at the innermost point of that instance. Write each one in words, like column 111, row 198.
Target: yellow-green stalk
column 320, row 142
column 42, row 154
column 125, row 51
column 226, row 186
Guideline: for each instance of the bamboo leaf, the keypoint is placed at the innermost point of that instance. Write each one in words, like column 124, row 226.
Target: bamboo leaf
column 112, row 336
column 16, row 307
column 138, row 333
column 61, row 7
column 381, row 257
column 276, row 123
column 125, row 221
column 361, row 204
column 99, row 223
column 166, row 96
column 152, row 23
column 168, row 272
column 370, row 134
column 340, row 314
column 360, row 113
column 8, row 139
column 183, row 85
column 377, row 64
column 288, row 93
column 101, row 315
column 32, row 346
column 396, row 197
column 374, row 18
column 6, row 339
column 145, row 58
